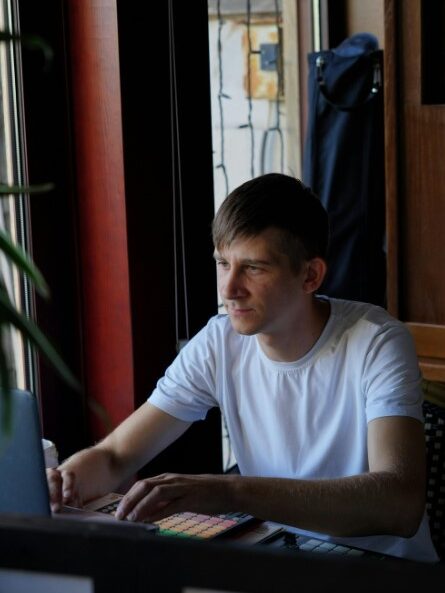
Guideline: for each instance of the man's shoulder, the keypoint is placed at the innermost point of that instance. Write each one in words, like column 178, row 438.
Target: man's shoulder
column 360, row 318
column 359, row 328
column 358, row 310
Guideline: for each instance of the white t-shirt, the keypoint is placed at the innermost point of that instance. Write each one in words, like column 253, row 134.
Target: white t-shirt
column 304, row 419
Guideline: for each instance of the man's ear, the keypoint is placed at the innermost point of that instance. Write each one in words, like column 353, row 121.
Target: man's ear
column 315, row 271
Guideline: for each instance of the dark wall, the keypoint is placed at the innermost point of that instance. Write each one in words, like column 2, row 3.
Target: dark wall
column 168, row 168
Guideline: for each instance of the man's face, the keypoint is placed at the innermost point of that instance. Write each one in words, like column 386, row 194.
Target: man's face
column 260, row 289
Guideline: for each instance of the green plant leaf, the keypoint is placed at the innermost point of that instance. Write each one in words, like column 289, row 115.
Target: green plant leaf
column 20, row 258
column 10, row 190
column 30, row 331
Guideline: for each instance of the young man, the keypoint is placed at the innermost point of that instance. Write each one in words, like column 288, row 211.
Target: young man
column 321, row 397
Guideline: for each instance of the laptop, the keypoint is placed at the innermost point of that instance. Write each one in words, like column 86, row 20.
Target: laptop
column 23, row 484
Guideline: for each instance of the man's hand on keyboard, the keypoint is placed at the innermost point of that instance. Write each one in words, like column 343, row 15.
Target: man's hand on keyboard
column 62, row 489
column 154, row 498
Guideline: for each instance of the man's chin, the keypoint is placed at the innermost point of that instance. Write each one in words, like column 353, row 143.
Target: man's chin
column 245, row 329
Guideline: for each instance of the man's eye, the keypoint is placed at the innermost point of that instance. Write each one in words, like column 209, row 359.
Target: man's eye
column 222, row 264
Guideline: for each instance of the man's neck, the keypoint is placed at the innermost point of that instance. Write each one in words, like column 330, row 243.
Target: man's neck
column 299, row 337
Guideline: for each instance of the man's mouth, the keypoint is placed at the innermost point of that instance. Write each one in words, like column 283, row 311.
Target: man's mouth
column 239, row 311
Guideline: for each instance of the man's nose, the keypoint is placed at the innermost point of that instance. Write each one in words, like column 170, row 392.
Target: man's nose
column 231, row 285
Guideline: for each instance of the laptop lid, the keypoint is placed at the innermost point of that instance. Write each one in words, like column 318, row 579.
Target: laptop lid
column 23, row 485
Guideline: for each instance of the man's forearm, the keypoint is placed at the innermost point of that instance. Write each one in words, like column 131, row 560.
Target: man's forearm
column 373, row 503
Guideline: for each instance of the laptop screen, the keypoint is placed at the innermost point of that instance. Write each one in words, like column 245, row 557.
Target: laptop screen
column 23, row 486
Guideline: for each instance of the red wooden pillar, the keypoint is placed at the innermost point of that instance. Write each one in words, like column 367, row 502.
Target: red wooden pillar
column 102, row 228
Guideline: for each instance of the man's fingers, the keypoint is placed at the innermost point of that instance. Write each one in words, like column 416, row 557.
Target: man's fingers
column 68, row 484
column 54, row 479
column 146, row 498
column 131, row 499
column 61, row 486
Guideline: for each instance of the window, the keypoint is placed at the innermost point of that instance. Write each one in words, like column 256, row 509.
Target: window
column 254, row 90
column 13, row 209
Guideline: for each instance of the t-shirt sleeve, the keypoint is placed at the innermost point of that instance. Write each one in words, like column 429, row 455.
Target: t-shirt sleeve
column 391, row 378
column 187, row 389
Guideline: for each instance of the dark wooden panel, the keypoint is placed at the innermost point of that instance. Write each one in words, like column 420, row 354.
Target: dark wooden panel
column 430, row 346
column 391, row 155
column 409, row 50
column 429, row 338
column 423, row 222
column 421, row 184
column 415, row 186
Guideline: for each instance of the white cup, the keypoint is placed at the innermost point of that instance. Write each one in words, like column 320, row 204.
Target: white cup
column 51, row 454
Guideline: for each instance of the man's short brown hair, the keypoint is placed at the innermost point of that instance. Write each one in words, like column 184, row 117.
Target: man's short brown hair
column 279, row 201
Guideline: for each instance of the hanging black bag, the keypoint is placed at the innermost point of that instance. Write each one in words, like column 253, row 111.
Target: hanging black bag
column 343, row 163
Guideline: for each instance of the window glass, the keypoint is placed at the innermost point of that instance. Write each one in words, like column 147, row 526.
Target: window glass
column 254, row 90
column 12, row 173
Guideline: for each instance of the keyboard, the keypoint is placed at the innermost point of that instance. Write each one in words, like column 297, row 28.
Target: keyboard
column 322, row 547
column 292, row 541
column 185, row 524
column 201, row 526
